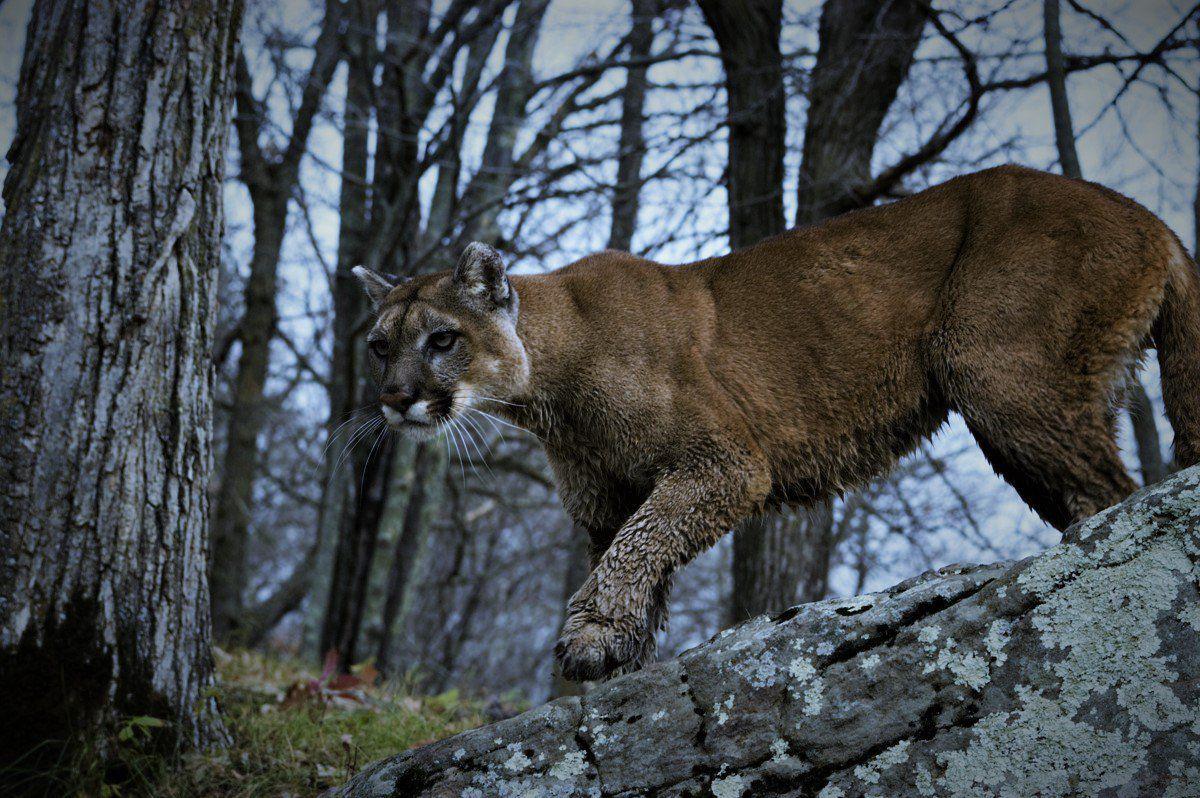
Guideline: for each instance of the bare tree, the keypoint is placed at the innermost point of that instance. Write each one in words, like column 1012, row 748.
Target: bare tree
column 271, row 181
column 402, row 104
column 111, row 240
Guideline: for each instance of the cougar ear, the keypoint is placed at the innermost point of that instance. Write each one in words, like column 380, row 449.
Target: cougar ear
column 480, row 273
column 376, row 285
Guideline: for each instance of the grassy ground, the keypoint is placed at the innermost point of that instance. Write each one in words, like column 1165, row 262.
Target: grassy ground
column 294, row 733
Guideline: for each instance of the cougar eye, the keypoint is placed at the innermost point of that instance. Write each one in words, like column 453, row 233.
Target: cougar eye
column 379, row 348
column 442, row 341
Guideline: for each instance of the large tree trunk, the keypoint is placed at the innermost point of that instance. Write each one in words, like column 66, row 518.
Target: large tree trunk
column 1141, row 410
column 747, row 32
column 110, row 248
column 866, row 50
column 1073, row 673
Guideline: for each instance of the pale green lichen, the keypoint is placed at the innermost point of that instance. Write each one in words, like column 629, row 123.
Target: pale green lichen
column 996, row 639
column 1185, row 783
column 1101, row 609
column 1129, row 597
column 758, row 671
column 1039, row 750
column 728, row 787
column 869, row 662
column 830, row 791
column 968, row 668
column 806, row 682
column 924, row 781
column 871, row 771
column 572, row 766
column 720, row 707
column 517, row 762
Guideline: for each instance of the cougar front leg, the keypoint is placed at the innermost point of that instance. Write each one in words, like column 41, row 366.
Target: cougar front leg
column 612, row 618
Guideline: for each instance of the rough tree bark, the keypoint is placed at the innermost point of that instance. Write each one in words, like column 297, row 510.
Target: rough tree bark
column 865, row 52
column 747, row 33
column 1072, row 673
column 1141, row 409
column 110, row 247
column 631, row 143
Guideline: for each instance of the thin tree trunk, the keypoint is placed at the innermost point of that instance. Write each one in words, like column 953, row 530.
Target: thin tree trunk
column 408, row 544
column 231, row 517
column 349, row 312
column 1141, row 410
column 1060, row 105
column 481, row 198
column 631, row 145
column 270, row 184
column 111, row 243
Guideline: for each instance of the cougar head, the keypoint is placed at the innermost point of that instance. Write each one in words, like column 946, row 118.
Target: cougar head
column 444, row 344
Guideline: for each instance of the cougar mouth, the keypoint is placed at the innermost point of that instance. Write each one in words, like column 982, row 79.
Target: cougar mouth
column 423, row 419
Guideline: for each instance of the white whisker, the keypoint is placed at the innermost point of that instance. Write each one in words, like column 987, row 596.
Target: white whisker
column 507, row 424
column 458, row 451
column 338, row 430
column 471, row 438
column 362, row 484
column 487, row 398
column 353, row 440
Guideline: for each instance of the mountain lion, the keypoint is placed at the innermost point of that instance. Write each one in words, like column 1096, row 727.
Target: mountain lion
column 674, row 401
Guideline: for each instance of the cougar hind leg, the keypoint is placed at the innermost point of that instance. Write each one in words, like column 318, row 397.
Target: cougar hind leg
column 1046, row 425
column 1063, row 461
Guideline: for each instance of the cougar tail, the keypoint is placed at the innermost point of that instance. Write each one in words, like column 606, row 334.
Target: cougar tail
column 1177, row 339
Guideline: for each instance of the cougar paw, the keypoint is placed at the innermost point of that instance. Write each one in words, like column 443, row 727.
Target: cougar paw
column 594, row 648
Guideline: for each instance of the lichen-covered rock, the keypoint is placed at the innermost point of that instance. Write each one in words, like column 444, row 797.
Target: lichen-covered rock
column 1073, row 673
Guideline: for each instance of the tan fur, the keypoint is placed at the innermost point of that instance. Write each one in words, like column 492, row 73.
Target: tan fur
column 674, row 401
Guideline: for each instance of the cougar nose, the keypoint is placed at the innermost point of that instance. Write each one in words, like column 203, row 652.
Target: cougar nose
column 397, row 398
